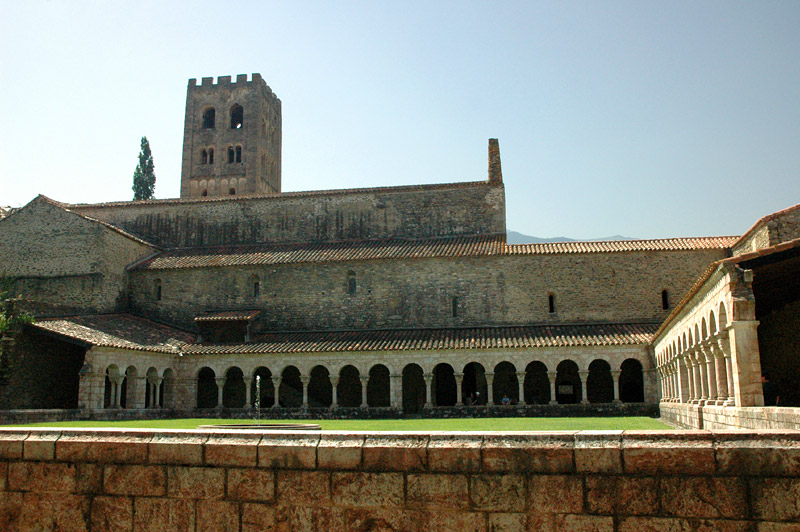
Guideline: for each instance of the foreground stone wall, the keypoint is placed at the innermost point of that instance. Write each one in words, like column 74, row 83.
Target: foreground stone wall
column 582, row 481
column 728, row 417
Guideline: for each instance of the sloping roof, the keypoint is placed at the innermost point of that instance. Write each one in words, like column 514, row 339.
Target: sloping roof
column 118, row 330
column 286, row 195
column 765, row 220
column 325, row 252
column 229, row 315
column 398, row 248
column 616, row 246
column 439, row 339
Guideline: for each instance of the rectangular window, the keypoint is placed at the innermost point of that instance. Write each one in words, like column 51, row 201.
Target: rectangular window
column 455, row 307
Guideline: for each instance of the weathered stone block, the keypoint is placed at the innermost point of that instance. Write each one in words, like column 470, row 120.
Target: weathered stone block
column 251, row 485
column 455, row 453
column 228, row 450
column 396, row 452
column 654, row 453
column 775, row 499
column 498, row 493
column 653, row 524
column 40, row 445
column 598, row 451
column 358, row 489
column 584, row 523
column 555, row 494
column 177, row 448
column 309, row 519
column 217, row 516
column 54, row 511
column 437, row 491
column 386, row 520
column 704, row 497
column 10, row 510
column 617, row 495
column 257, row 517
column 288, row 451
column 508, row 522
column 103, row 447
column 42, row 477
column 340, row 451
column 112, row 514
column 11, row 444
column 448, row 521
column 164, row 515
column 531, row 453
column 310, row 488
column 134, row 480
column 196, row 482
column 765, row 453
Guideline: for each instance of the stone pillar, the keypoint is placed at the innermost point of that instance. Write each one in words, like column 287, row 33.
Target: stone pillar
column 220, row 388
column 521, row 384
column 364, row 382
column 428, row 390
column 334, row 392
column 724, row 347
column 712, row 373
column 276, row 383
column 157, row 392
column 583, row 375
column 551, row 375
column 459, row 381
column 698, row 379
column 117, row 390
column 489, row 389
column 304, row 380
column 722, row 381
column 689, row 377
column 249, row 392
column 701, row 364
column 746, row 363
column 396, row 390
column 615, row 373
column 139, row 388
column 683, row 380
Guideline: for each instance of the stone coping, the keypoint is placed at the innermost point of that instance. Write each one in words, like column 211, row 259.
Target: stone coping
column 684, row 452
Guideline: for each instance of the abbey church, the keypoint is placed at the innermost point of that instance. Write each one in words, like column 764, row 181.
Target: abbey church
column 390, row 301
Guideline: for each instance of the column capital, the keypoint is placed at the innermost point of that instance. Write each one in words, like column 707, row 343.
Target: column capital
column 364, row 379
column 305, row 379
column 615, row 373
column 521, row 374
column 552, row 374
column 583, row 373
column 334, row 380
column 428, row 377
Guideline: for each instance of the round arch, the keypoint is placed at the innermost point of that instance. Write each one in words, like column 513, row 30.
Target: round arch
column 413, row 389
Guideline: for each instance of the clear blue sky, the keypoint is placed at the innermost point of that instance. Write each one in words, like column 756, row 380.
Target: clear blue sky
column 647, row 119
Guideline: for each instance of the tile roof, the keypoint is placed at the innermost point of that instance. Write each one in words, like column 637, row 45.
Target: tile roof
column 616, row 246
column 398, row 248
column 229, row 315
column 286, row 195
column 325, row 252
column 438, row 339
column 118, row 330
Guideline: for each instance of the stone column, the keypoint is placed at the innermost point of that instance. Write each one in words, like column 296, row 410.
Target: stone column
column 698, row 378
column 276, row 383
column 521, row 384
column 701, row 364
column 220, row 387
column 334, row 391
column 583, row 375
column 687, row 362
column 746, row 363
column 364, row 382
column 551, row 375
column 249, row 393
column 139, row 385
column 719, row 365
column 117, row 390
column 396, row 390
column 157, row 394
column 489, row 389
column 683, row 380
column 712, row 373
column 615, row 373
column 724, row 347
column 428, row 390
column 304, row 380
column 459, row 381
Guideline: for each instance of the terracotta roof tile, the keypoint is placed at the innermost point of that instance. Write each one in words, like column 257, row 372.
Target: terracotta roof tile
column 438, row 339
column 118, row 330
column 616, row 246
column 229, row 315
column 324, row 252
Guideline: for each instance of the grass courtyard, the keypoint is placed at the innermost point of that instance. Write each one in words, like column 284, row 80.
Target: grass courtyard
column 423, row 425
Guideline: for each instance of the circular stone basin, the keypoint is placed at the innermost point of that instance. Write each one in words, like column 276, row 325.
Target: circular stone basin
column 263, row 426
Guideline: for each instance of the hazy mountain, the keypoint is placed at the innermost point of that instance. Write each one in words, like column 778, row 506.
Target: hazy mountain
column 518, row 238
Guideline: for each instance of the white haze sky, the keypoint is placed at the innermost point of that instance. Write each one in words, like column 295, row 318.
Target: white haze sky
column 647, row 119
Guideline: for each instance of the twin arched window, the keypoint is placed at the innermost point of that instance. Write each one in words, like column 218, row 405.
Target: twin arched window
column 234, row 154
column 207, row 156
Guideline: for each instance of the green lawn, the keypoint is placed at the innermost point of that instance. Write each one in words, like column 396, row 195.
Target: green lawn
column 425, row 425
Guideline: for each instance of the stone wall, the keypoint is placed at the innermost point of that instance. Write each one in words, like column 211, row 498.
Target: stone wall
column 408, row 212
column 65, row 263
column 773, row 229
column 490, row 290
column 728, row 417
column 244, row 482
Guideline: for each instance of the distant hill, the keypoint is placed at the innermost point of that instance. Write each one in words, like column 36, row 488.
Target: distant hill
column 518, row 238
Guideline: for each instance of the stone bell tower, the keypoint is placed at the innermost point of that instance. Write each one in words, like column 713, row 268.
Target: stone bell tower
column 231, row 138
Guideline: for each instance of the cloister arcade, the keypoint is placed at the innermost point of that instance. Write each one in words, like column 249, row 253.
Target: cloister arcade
column 411, row 387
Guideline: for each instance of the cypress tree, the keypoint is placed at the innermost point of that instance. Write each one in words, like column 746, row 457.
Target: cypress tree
column 144, row 177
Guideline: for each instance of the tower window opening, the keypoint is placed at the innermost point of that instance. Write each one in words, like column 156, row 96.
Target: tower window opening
column 231, row 154
column 231, row 191
column 454, row 306
column 157, row 287
column 204, row 193
column 237, row 116
column 551, row 304
column 664, row 299
column 204, row 157
column 238, row 154
column 209, row 118
column 211, row 156
column 351, row 283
